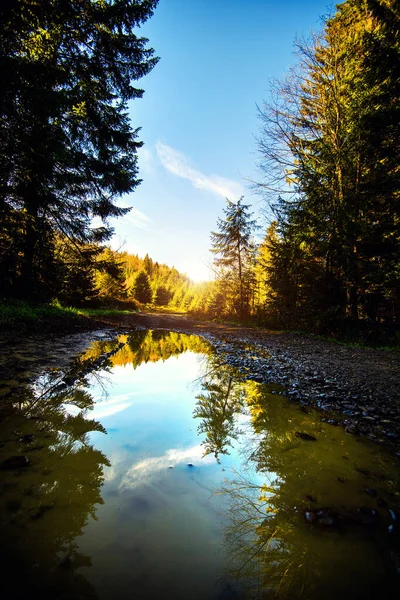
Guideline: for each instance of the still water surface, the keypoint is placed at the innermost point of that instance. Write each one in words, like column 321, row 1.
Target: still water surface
column 150, row 470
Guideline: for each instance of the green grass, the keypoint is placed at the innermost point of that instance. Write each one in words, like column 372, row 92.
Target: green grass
column 18, row 314
column 101, row 312
column 154, row 308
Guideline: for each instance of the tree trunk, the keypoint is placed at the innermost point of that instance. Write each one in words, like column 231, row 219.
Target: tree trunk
column 241, row 307
column 27, row 284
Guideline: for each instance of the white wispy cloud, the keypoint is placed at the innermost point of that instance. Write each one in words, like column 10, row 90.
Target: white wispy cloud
column 177, row 163
column 137, row 218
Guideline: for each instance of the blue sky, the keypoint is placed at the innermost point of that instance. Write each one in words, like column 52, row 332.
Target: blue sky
column 199, row 119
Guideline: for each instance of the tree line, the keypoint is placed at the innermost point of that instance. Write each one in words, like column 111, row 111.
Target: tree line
column 68, row 151
column 329, row 158
column 329, row 162
column 117, row 279
column 67, row 147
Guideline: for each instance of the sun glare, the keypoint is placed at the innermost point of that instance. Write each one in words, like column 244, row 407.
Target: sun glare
column 198, row 272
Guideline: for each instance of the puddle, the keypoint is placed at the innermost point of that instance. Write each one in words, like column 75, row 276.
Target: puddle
column 148, row 469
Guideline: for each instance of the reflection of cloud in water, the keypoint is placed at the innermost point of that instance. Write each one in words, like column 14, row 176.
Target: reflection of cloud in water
column 112, row 472
column 104, row 407
column 101, row 399
column 146, row 468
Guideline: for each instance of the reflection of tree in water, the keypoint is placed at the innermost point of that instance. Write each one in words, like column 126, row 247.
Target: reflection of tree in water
column 50, row 484
column 50, row 473
column 51, row 479
column 218, row 405
column 267, row 555
column 294, row 466
column 147, row 346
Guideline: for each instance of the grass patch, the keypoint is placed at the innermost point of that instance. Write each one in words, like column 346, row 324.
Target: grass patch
column 154, row 308
column 17, row 312
column 17, row 315
column 102, row 312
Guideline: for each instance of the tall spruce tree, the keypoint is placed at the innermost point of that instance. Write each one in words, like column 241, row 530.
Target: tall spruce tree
column 234, row 249
column 67, row 149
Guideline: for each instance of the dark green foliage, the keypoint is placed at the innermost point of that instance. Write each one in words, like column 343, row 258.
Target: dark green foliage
column 330, row 148
column 11, row 242
column 162, row 296
column 233, row 246
column 216, row 304
column 169, row 287
column 141, row 289
column 67, row 149
column 76, row 272
column 109, row 277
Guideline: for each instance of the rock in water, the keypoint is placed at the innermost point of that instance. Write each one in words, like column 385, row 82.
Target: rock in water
column 326, row 518
column 305, row 436
column 310, row 516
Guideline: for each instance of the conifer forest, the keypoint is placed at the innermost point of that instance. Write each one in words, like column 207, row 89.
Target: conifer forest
column 326, row 259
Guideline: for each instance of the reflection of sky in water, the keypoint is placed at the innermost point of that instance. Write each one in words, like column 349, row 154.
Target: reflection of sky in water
column 173, row 457
column 148, row 410
column 148, row 415
column 160, row 515
column 170, row 519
